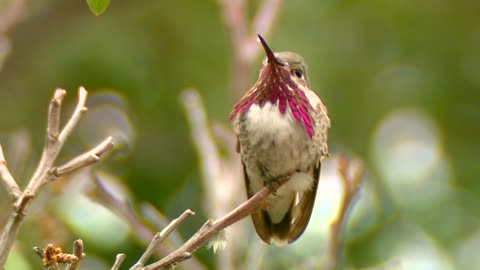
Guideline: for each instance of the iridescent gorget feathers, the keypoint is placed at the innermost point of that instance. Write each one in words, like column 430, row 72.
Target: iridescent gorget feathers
column 275, row 85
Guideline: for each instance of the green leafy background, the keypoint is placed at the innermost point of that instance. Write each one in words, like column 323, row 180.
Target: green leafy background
column 367, row 60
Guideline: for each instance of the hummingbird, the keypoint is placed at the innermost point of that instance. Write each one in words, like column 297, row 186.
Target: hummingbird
column 281, row 127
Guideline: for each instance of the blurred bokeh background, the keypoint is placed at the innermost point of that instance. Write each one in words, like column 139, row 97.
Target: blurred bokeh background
column 400, row 78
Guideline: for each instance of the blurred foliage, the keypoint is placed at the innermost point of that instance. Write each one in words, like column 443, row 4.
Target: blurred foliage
column 367, row 59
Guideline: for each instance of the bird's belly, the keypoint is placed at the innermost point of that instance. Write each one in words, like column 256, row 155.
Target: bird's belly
column 274, row 144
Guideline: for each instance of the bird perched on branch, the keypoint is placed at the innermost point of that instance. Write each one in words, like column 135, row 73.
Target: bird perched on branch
column 281, row 127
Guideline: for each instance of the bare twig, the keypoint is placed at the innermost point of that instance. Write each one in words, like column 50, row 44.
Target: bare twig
column 159, row 237
column 78, row 252
column 54, row 143
column 84, row 159
column 159, row 221
column 11, row 14
column 142, row 231
column 118, row 261
column 236, row 22
column 242, row 37
column 211, row 227
column 77, row 114
column 234, row 15
column 351, row 176
column 226, row 137
column 221, row 171
column 207, row 150
column 40, row 252
column 263, row 22
column 53, row 126
column 7, row 179
column 102, row 195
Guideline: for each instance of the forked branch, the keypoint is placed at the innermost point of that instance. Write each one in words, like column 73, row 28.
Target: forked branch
column 54, row 143
column 212, row 227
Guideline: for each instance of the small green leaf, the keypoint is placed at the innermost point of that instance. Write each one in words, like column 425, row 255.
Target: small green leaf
column 98, row 6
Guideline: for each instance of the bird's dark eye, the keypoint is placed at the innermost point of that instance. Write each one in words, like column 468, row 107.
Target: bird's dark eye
column 298, row 73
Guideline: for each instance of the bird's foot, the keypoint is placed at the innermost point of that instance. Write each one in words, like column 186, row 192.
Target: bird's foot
column 271, row 185
column 274, row 182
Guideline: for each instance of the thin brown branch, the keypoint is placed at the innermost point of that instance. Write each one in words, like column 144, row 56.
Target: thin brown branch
column 211, row 227
column 118, row 261
column 50, row 153
column 11, row 14
column 221, row 172
column 101, row 194
column 7, row 179
column 243, row 37
column 159, row 237
column 55, row 141
column 263, row 22
column 159, row 221
column 226, row 137
column 77, row 114
column 53, row 125
column 85, row 159
column 234, row 15
column 206, row 148
column 351, row 176
column 53, row 145
column 143, row 232
column 78, row 252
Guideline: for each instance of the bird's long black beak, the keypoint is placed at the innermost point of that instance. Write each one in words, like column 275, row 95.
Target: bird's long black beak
column 270, row 55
